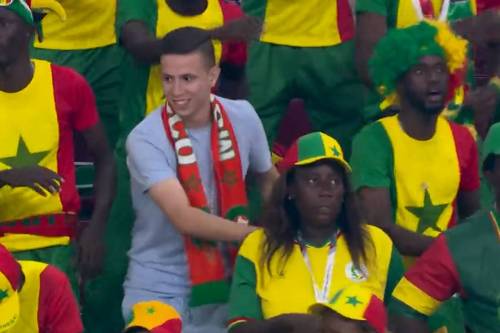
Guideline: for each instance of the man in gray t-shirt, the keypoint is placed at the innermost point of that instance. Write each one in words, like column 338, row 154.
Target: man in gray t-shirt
column 158, row 268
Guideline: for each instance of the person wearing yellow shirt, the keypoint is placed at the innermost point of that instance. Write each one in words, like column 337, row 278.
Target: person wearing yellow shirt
column 313, row 243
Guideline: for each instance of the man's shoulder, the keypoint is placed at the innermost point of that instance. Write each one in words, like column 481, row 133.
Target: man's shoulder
column 374, row 132
column 240, row 108
column 461, row 133
column 150, row 126
column 66, row 76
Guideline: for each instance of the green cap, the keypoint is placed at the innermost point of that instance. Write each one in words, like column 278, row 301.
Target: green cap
column 21, row 7
column 491, row 144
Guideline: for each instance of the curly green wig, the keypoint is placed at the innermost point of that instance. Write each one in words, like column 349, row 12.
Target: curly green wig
column 401, row 49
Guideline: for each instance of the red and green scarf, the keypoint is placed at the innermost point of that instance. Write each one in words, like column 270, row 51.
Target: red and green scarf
column 209, row 265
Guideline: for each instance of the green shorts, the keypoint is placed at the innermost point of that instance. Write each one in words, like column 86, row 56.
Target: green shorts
column 324, row 77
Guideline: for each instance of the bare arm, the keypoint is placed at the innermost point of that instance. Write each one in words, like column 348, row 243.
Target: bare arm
column 265, row 181
column 377, row 206
column 404, row 324
column 370, row 28
column 105, row 171
column 138, row 40
column 91, row 247
column 286, row 323
column 172, row 200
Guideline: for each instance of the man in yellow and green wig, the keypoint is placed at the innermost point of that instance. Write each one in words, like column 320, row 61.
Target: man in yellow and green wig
column 416, row 172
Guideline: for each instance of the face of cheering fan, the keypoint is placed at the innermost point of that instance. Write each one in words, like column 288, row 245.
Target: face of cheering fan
column 425, row 85
column 318, row 191
column 188, row 80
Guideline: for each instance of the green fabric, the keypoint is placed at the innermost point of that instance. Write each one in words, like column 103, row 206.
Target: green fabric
column 101, row 68
column 397, row 307
column 216, row 292
column 61, row 257
column 256, row 8
column 22, row 10
column 449, row 315
column 475, row 250
column 247, row 304
column 400, row 50
column 103, row 295
column 310, row 146
column 491, row 144
column 325, row 77
column 394, row 274
column 372, row 144
column 387, row 8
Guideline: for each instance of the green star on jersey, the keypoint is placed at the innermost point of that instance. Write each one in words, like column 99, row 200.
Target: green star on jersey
column 24, row 157
column 428, row 214
column 3, row 295
column 353, row 300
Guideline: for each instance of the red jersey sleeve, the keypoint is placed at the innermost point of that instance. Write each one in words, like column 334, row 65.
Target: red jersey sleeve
column 233, row 52
column 433, row 279
column 75, row 97
column 468, row 157
column 58, row 310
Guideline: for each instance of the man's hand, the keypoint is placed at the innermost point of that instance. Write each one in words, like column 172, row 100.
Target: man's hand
column 39, row 179
column 481, row 29
column 298, row 323
column 91, row 250
column 246, row 28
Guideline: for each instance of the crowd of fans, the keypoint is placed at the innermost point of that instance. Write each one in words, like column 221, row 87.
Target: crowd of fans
column 210, row 166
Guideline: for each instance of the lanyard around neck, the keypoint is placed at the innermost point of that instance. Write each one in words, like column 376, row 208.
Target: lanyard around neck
column 320, row 295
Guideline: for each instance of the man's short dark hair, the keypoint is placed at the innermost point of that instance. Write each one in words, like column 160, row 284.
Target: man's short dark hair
column 188, row 40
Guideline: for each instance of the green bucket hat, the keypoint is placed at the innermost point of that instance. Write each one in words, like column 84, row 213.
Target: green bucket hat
column 491, row 144
column 21, row 7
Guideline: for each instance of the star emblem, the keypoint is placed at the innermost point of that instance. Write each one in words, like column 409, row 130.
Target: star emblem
column 151, row 310
column 24, row 157
column 335, row 151
column 353, row 300
column 193, row 183
column 428, row 215
column 229, row 177
column 3, row 295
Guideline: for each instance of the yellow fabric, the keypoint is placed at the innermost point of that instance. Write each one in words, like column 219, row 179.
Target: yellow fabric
column 167, row 21
column 418, row 167
column 350, row 302
column 29, row 297
column 407, row 14
column 152, row 314
column 89, row 24
column 275, row 290
column 9, row 305
column 310, row 23
column 23, row 242
column 409, row 294
column 35, row 122
column 331, row 149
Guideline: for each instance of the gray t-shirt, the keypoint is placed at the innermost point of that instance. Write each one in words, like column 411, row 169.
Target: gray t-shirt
column 157, row 259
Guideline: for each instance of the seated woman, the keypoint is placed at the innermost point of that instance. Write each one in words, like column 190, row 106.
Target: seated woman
column 313, row 243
